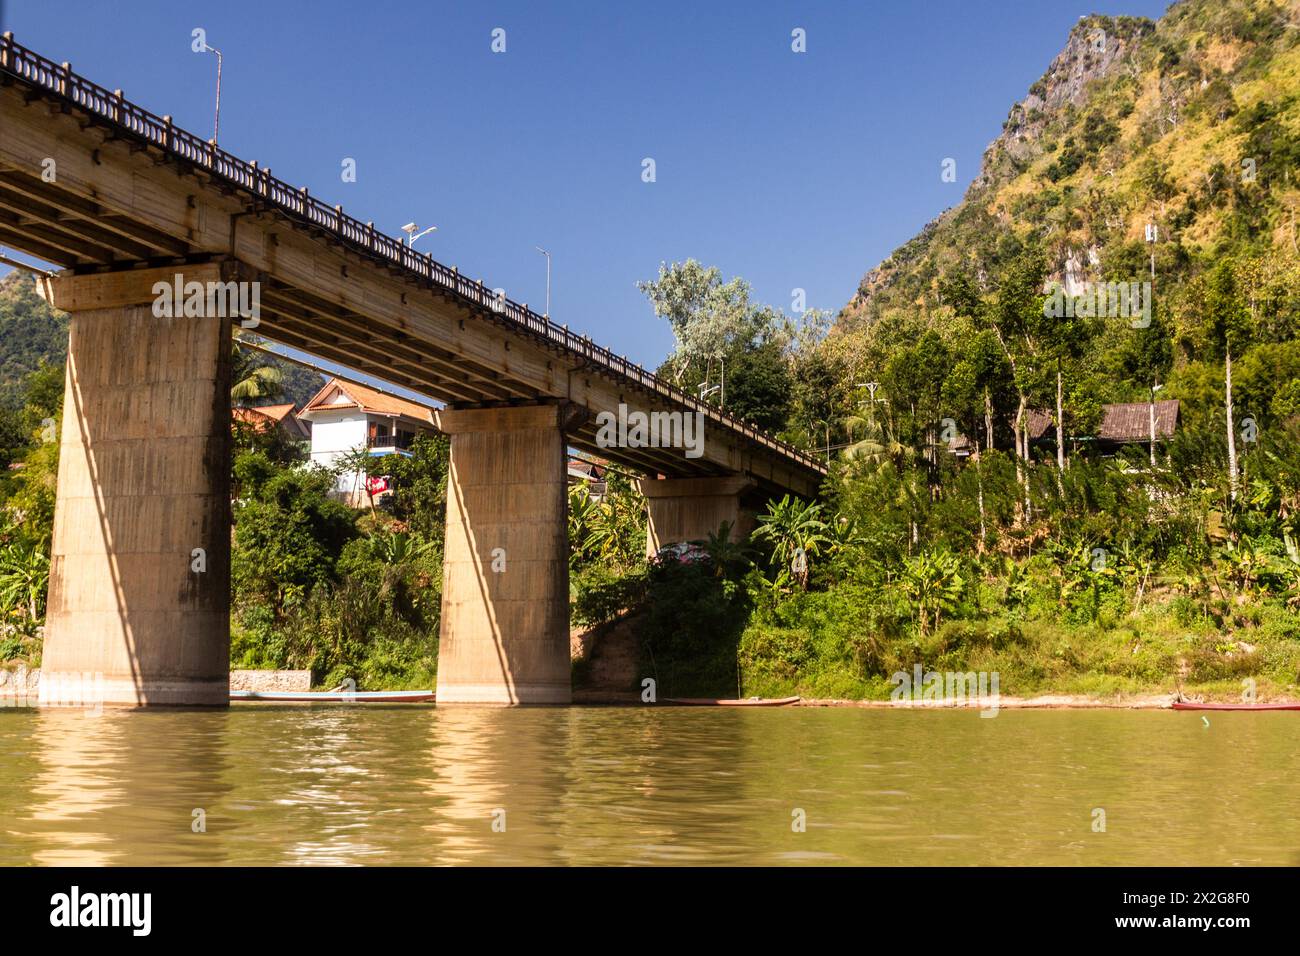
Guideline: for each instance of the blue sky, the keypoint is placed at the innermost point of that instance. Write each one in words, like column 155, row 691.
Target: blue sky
column 792, row 170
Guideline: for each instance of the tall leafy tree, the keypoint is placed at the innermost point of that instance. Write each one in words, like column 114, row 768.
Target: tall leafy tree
column 1223, row 327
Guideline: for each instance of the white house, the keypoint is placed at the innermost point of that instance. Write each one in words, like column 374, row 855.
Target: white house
column 346, row 416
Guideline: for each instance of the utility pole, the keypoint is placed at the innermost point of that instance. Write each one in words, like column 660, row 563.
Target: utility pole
column 1152, row 407
column 1153, row 233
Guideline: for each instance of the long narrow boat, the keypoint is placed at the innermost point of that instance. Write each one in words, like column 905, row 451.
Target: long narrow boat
column 330, row 696
column 725, row 702
column 1193, row 705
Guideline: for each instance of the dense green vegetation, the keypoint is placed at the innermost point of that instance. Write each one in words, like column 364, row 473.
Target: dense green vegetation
column 1044, row 559
column 343, row 592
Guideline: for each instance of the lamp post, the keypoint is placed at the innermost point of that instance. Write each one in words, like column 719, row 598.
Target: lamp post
column 411, row 233
column 548, row 279
column 216, row 124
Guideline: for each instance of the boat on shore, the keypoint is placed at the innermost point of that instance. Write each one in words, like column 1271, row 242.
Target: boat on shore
column 727, row 702
column 332, row 696
column 1194, row 705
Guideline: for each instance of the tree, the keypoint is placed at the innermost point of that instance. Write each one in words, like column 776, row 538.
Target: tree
column 759, row 387
column 708, row 317
column 1016, row 318
column 1225, row 328
column 288, row 536
column 420, row 485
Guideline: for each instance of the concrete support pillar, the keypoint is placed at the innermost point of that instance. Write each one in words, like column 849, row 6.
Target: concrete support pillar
column 505, row 592
column 690, row 509
column 137, row 614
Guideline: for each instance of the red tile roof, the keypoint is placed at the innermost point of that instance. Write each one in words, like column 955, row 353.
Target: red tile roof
column 366, row 399
column 263, row 417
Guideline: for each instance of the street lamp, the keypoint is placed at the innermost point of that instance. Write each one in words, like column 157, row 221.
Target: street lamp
column 216, row 125
column 548, row 279
column 411, row 234
column 1152, row 408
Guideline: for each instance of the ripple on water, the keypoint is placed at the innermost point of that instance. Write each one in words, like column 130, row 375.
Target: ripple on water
column 414, row 785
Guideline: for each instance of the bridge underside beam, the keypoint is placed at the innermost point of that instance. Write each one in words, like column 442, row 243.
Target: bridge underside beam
column 691, row 509
column 139, row 594
column 505, row 592
column 328, row 293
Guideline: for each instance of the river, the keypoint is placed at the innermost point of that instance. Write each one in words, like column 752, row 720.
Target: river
column 323, row 784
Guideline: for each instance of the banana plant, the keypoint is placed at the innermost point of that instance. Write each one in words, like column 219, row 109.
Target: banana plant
column 24, row 579
column 1244, row 563
column 933, row 585
column 796, row 531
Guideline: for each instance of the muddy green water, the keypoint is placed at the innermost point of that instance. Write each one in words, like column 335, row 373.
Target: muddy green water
column 415, row 785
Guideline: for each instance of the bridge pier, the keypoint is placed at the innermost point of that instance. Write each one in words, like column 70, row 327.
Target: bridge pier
column 136, row 615
column 505, row 593
column 690, row 509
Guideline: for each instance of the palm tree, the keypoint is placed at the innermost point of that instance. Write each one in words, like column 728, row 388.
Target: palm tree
column 258, row 384
column 724, row 552
column 251, row 382
column 876, row 446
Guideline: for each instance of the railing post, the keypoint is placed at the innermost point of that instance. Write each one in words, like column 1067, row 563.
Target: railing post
column 6, row 49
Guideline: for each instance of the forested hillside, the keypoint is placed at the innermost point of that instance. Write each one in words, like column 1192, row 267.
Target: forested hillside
column 979, row 514
column 1189, row 126
column 30, row 333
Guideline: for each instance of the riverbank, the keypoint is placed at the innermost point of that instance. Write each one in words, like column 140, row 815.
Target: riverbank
column 1040, row 702
column 20, row 686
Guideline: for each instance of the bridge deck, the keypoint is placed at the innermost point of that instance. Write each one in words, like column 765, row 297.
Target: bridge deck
column 72, row 223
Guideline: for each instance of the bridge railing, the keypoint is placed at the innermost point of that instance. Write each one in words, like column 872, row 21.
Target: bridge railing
column 58, row 78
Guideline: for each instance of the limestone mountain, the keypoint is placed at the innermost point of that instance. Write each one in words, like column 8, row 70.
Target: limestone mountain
column 1160, row 156
column 1190, row 123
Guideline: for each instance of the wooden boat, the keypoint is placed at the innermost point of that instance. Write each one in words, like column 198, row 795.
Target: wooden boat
column 331, row 696
column 724, row 702
column 1193, row 705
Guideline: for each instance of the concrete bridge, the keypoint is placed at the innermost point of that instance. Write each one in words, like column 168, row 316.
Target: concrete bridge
column 139, row 603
